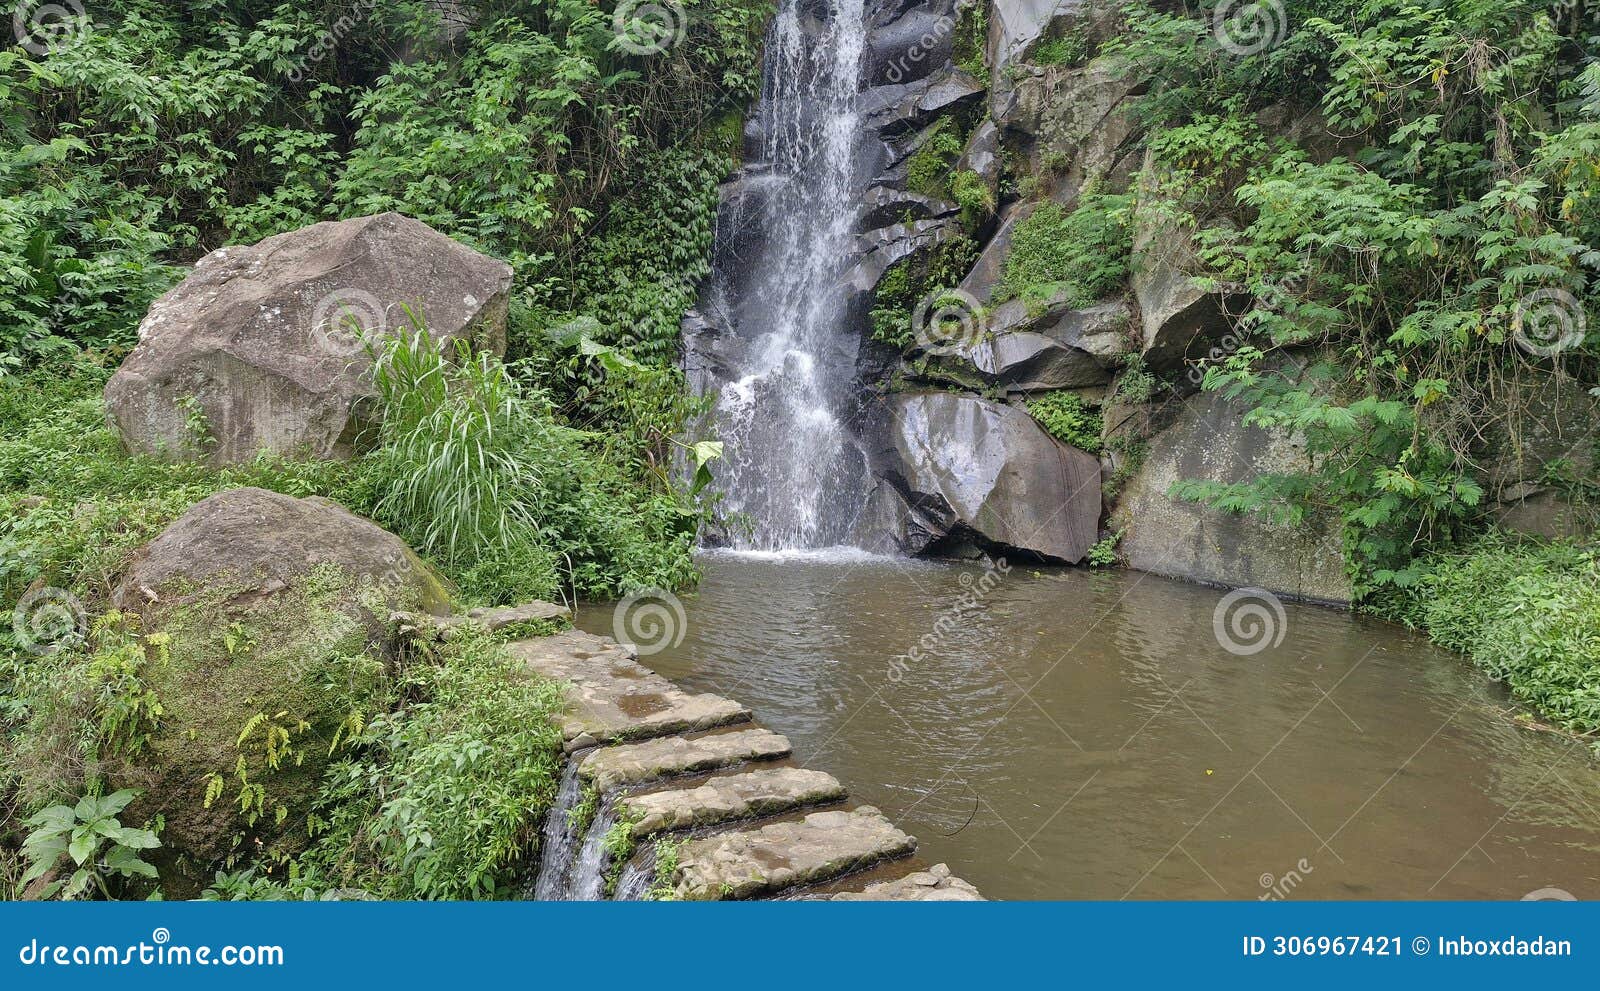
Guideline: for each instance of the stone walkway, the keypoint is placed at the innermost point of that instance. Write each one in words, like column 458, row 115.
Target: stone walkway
column 692, row 769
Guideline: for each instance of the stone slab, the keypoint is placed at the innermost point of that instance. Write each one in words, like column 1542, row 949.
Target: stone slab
column 782, row 855
column 765, row 792
column 635, row 763
column 936, row 884
column 613, row 697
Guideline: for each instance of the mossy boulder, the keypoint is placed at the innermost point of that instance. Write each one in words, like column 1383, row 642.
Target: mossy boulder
column 277, row 612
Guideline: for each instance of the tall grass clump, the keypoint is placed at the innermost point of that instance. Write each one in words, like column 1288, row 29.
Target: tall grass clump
column 460, row 446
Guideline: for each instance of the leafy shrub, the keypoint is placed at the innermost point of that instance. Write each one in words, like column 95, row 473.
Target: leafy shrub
column 1527, row 613
column 1068, row 418
column 447, row 795
column 1084, row 253
column 90, row 835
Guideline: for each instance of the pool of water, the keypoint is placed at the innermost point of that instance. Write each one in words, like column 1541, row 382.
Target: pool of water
column 1088, row 735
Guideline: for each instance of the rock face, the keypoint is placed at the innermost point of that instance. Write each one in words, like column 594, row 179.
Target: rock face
column 260, row 348
column 1206, row 441
column 637, row 763
column 1180, row 319
column 1033, row 348
column 272, row 605
column 969, row 470
column 936, row 884
column 1553, row 434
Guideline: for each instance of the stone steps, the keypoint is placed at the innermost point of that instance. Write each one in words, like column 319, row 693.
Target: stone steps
column 743, row 831
column 612, row 697
column 637, row 763
column 768, row 859
column 729, row 798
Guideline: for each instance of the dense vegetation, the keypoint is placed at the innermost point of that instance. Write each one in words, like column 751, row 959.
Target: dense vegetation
column 163, row 131
column 1426, row 249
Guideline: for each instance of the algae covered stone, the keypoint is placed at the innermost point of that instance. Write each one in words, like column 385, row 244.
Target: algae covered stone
column 275, row 608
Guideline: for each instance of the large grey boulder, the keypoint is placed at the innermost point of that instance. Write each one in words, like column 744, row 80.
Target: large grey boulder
column 272, row 605
column 1033, row 347
column 1204, row 440
column 261, row 348
column 972, row 471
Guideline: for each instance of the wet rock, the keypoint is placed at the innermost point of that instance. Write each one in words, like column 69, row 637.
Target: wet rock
column 260, row 348
column 969, row 470
column 613, row 697
column 906, row 43
column 897, row 110
column 752, row 794
column 935, row 884
column 1044, row 346
column 762, row 861
column 636, row 763
column 1202, row 438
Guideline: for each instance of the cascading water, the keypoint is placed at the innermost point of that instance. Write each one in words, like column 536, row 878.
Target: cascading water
column 793, row 469
column 558, row 842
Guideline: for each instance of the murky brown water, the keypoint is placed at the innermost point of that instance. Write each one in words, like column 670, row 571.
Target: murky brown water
column 1083, row 735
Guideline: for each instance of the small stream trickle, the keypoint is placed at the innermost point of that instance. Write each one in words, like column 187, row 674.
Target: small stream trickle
column 587, row 880
column 558, row 844
column 634, row 882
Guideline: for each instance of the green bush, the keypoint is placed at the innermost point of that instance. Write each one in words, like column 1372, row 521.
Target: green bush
column 1068, row 418
column 1525, row 612
column 1084, row 253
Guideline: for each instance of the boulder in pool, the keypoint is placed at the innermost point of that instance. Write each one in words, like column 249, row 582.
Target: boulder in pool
column 967, row 471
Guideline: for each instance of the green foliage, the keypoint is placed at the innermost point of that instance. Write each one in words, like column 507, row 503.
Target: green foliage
column 970, row 44
column 1068, row 418
column 664, row 887
column 99, row 846
column 446, row 795
column 1068, row 48
column 1084, row 253
column 1527, row 613
column 928, row 170
column 1104, row 553
column 172, row 129
column 1399, row 277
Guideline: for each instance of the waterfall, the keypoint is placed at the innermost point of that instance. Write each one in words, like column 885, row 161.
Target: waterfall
column 636, row 878
column 588, row 880
column 559, row 840
column 784, row 394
